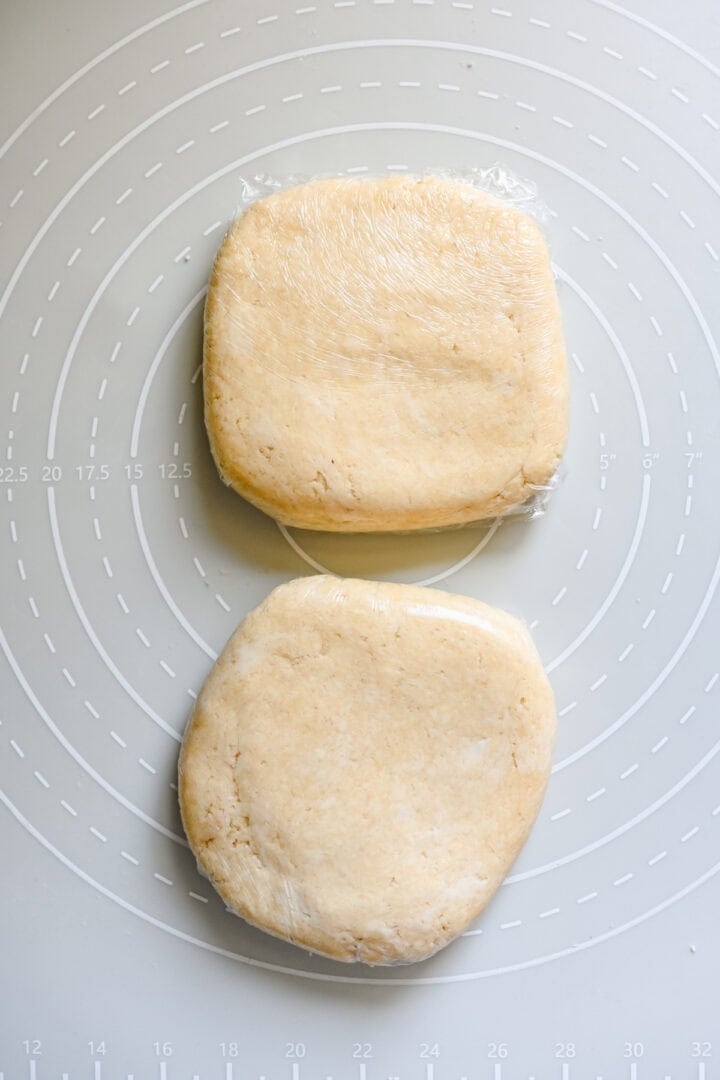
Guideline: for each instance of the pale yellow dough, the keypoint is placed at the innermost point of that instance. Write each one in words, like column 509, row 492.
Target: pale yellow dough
column 384, row 355
column 364, row 763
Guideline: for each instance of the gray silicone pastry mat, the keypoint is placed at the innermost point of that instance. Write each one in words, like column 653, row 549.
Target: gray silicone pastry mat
column 126, row 563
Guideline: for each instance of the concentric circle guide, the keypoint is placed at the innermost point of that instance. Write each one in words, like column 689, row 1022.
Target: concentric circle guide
column 128, row 563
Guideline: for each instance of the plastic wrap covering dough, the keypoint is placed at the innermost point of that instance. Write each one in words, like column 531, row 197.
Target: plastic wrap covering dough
column 364, row 763
column 384, row 355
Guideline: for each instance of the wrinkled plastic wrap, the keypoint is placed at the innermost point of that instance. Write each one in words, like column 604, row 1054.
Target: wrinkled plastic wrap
column 364, row 763
column 386, row 354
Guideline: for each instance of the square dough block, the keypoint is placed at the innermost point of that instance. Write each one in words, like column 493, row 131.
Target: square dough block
column 364, row 763
column 384, row 355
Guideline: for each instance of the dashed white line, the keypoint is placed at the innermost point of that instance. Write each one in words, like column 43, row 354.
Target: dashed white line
column 95, row 112
column 585, row 899
column 596, row 794
column 68, row 807
column 629, row 772
column 561, row 814
column 66, row 138
column 39, row 168
column 153, row 169
column 41, row 779
column 597, row 140
column 687, row 714
column 659, row 745
column 98, row 834
column 142, row 637
column 623, row 880
column 218, row 127
column 598, row 683
column 547, row 914
column 127, row 87
column 657, row 858
column 147, row 766
column 161, row 877
column 121, row 742
column 689, row 835
column 712, row 682
column 185, row 146
column 558, row 597
column 130, row 858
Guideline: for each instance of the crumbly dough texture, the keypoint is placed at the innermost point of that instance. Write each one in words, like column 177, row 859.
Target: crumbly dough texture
column 384, row 355
column 364, row 763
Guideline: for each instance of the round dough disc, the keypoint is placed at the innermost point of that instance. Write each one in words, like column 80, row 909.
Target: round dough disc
column 364, row 763
column 384, row 355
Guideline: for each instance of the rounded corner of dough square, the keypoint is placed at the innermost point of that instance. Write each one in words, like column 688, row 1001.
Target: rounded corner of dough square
column 364, row 763
column 384, row 355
